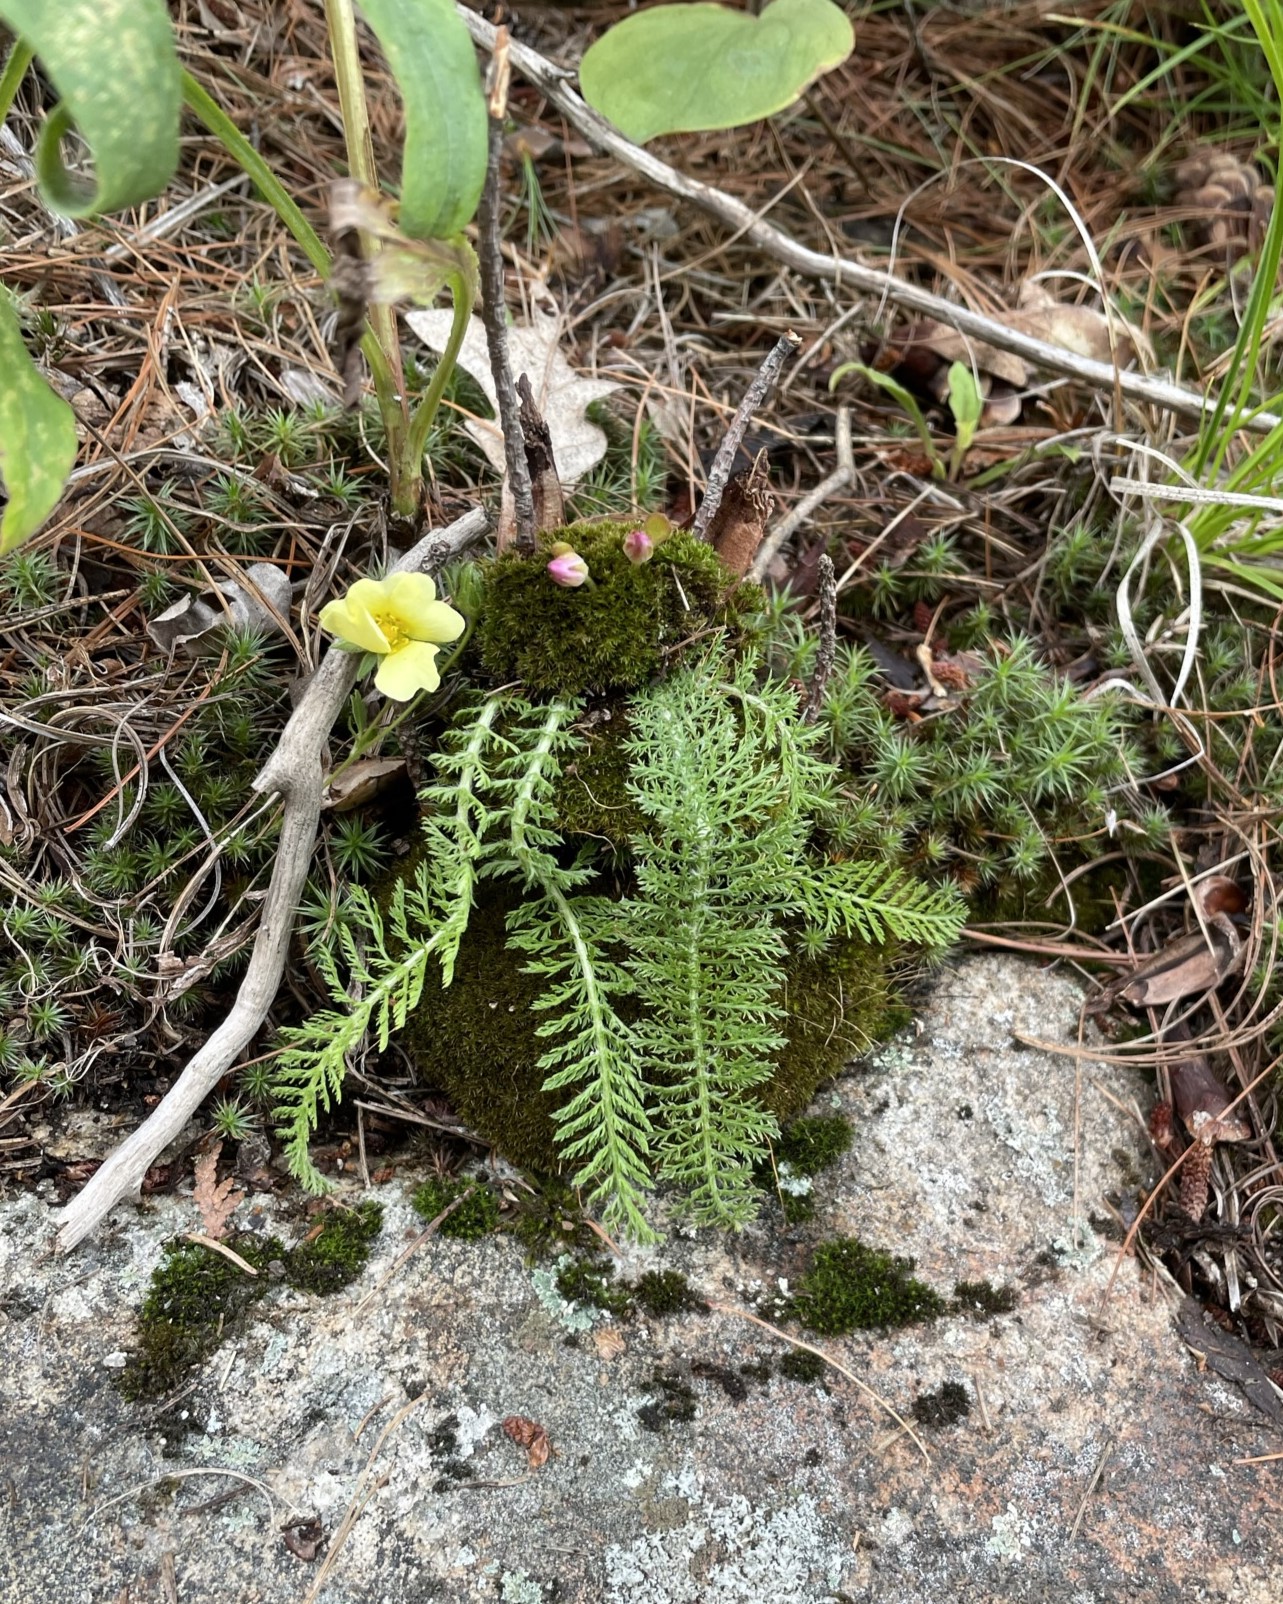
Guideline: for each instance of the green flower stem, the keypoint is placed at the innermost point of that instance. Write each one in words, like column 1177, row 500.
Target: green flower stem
column 199, row 101
column 462, row 295
column 340, row 19
column 15, row 70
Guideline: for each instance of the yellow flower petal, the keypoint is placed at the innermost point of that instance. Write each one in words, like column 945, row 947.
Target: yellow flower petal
column 411, row 668
column 412, row 598
column 350, row 621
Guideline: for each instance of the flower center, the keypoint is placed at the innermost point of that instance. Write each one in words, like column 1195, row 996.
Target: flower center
column 393, row 632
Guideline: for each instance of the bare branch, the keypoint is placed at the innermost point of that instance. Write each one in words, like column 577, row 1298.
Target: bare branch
column 294, row 772
column 827, row 654
column 494, row 309
column 551, row 81
column 754, row 397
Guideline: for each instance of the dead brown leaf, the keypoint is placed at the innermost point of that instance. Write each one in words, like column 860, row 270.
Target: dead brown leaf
column 217, row 1200
column 609, row 1342
column 1186, row 967
column 531, row 1436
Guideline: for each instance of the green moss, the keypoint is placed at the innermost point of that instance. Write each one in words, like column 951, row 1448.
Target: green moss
column 852, row 1287
column 337, row 1254
column 475, row 1038
column 474, row 1218
column 980, row 1299
column 798, row 1364
column 584, row 1282
column 660, row 1293
column 945, row 1406
column 812, row 1144
column 548, row 1221
column 614, row 634
column 196, row 1295
column 592, row 789
column 839, row 1003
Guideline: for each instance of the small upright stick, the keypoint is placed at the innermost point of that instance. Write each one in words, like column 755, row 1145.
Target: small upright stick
column 757, row 392
column 490, row 260
column 827, row 654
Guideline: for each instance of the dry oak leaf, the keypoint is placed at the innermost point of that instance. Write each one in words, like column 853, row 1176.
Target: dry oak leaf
column 531, row 1436
column 1076, row 328
column 217, row 1200
column 561, row 395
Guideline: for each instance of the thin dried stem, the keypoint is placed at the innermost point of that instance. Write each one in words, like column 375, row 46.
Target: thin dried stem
column 755, row 396
column 827, row 654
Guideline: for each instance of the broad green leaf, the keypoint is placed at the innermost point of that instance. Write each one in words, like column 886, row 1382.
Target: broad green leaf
column 37, row 437
column 443, row 167
column 114, row 65
column 685, row 68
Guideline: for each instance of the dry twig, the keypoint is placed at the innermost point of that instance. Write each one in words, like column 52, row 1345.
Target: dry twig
column 827, row 654
column 756, row 394
column 839, row 479
column 490, row 259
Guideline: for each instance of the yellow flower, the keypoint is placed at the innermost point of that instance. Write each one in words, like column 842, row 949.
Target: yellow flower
column 400, row 619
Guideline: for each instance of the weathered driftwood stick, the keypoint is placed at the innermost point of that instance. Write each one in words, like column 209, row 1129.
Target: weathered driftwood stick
column 551, row 81
column 294, row 773
column 754, row 397
column 839, row 479
column 494, row 308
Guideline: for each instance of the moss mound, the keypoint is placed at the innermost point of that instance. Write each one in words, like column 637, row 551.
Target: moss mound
column 611, row 635
column 851, row 1287
column 475, row 1039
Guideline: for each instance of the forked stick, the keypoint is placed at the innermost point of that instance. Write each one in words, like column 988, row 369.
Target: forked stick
column 295, row 774
column 551, row 81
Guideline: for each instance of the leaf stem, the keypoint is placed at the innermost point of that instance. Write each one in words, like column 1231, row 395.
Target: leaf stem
column 15, row 70
column 340, row 19
column 201, row 102
column 462, row 294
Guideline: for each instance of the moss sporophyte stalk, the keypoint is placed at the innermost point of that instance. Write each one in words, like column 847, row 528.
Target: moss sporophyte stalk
column 630, row 942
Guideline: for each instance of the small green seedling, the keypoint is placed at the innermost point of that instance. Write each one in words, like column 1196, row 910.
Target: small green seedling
column 966, row 403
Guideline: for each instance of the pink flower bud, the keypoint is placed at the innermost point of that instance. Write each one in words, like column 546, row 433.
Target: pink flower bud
column 638, row 547
column 568, row 569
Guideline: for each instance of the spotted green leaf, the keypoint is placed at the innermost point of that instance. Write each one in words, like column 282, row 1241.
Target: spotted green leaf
column 443, row 165
column 37, row 437
column 685, row 68
column 115, row 69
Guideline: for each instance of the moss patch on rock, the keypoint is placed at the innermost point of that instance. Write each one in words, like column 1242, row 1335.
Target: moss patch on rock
column 195, row 1296
column 474, row 1218
column 852, row 1287
column 614, row 634
column 810, row 1145
column 334, row 1257
column 198, row 1296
